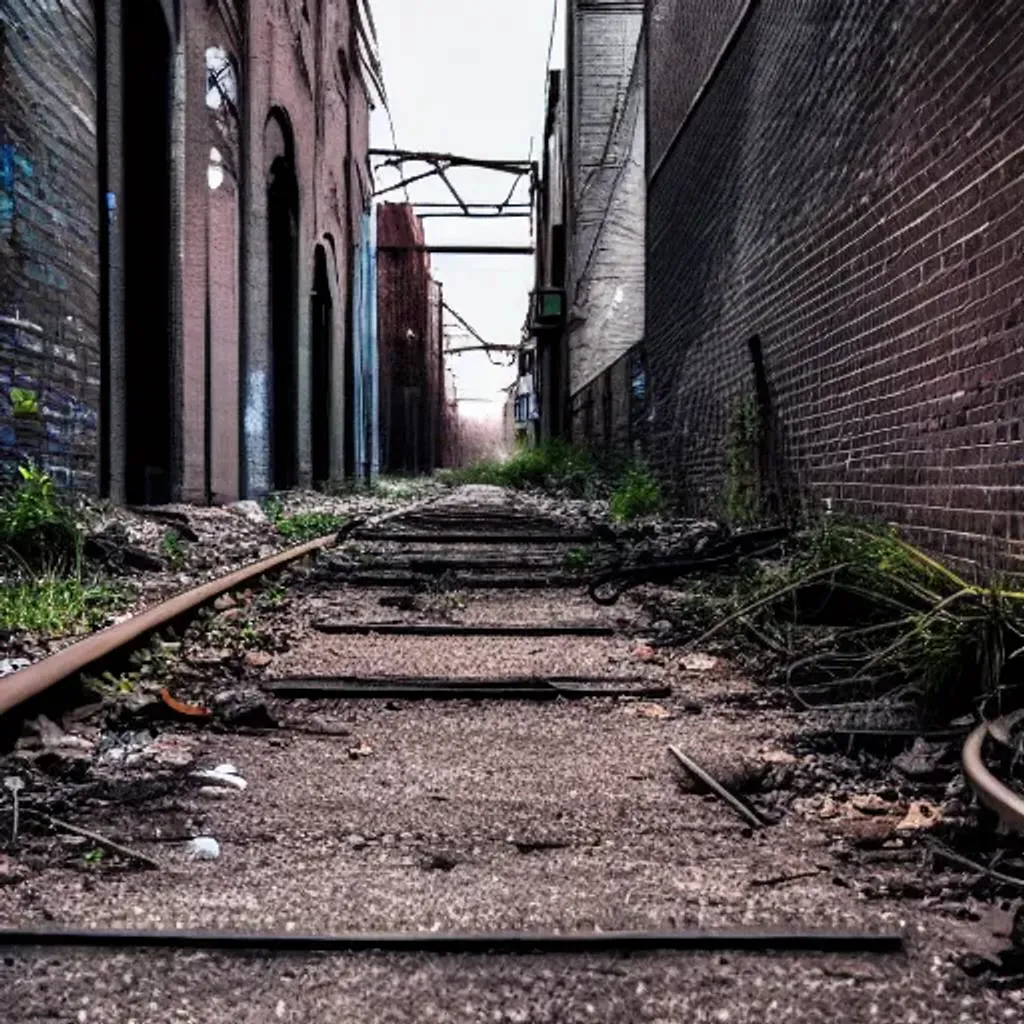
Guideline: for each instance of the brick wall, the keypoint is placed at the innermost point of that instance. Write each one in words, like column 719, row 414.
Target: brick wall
column 49, row 237
column 849, row 188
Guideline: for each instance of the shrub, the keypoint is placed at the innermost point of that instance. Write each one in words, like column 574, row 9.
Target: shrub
column 53, row 604
column 309, row 525
column 553, row 466
column 36, row 525
column 638, row 494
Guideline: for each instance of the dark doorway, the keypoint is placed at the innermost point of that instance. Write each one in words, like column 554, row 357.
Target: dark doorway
column 321, row 319
column 351, row 469
column 146, row 215
column 283, row 241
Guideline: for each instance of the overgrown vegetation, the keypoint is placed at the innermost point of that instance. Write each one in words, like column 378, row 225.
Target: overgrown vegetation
column 857, row 615
column 742, row 494
column 302, row 526
column 559, row 467
column 552, row 466
column 170, row 545
column 37, row 529
column 44, row 588
column 638, row 494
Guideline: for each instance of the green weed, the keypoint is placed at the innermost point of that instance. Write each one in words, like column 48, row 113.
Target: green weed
column 309, row 525
column 552, row 466
column 742, row 497
column 23, row 402
column 638, row 494
column 578, row 559
column 36, row 526
column 170, row 545
column 53, row 604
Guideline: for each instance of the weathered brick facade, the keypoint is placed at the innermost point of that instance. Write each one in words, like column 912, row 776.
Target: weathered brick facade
column 848, row 186
column 166, row 314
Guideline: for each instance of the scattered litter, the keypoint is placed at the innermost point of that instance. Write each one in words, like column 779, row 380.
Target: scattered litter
column 181, row 708
column 224, row 776
column 923, row 760
column 11, row 872
column 14, row 785
column 203, row 848
column 643, row 652
column 362, row 750
column 778, row 757
column 224, row 602
column 257, row 659
column 745, row 812
column 648, row 711
column 97, row 838
column 172, row 751
column 870, row 803
column 921, row 815
column 698, row 662
column 8, row 666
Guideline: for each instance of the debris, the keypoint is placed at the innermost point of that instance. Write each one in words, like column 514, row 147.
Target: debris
column 181, row 708
column 363, row 749
column 792, row 876
column 172, row 751
column 923, row 760
column 224, row 776
column 224, row 602
column 203, row 848
column 8, row 666
column 733, row 801
column 14, row 785
column 698, row 662
column 249, row 510
column 648, row 711
column 11, row 872
column 778, row 757
column 357, row 842
column 257, row 659
column 99, row 840
column 870, row 803
column 643, row 652
column 951, row 856
column 439, row 862
column 920, row 815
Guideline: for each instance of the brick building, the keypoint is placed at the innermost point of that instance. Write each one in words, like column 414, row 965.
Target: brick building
column 410, row 339
column 835, row 238
column 183, row 202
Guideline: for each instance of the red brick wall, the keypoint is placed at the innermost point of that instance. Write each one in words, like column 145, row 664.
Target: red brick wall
column 850, row 189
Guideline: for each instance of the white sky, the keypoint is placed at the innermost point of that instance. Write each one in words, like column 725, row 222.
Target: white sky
column 468, row 77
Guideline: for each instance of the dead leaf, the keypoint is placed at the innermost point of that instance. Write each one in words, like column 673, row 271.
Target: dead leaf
column 699, row 662
column 258, row 659
column 921, row 815
column 648, row 711
column 181, row 708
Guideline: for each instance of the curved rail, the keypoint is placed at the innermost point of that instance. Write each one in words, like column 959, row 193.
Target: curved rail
column 28, row 682
column 991, row 792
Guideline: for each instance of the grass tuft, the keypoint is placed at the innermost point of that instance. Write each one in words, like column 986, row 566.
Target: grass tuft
column 51, row 604
column 637, row 495
column 309, row 525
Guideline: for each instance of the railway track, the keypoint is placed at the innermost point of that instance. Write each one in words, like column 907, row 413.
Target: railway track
column 463, row 755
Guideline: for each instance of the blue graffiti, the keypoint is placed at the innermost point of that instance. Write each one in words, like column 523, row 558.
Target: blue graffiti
column 12, row 166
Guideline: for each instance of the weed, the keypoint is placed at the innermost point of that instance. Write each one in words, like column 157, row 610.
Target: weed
column 170, row 545
column 23, row 402
column 94, row 858
column 742, row 498
column 578, row 559
column 638, row 494
column 552, row 466
column 309, row 525
column 35, row 525
column 53, row 604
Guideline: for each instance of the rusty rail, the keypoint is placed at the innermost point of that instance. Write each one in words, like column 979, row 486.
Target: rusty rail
column 29, row 682
column 990, row 791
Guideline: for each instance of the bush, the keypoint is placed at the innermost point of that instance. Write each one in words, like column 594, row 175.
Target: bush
column 553, row 466
column 638, row 494
column 309, row 525
column 53, row 604
column 36, row 526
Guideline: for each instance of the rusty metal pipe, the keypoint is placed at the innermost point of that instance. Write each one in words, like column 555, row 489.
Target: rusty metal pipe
column 29, row 682
column 990, row 791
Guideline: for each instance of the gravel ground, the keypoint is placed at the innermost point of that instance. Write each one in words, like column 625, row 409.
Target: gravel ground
column 495, row 815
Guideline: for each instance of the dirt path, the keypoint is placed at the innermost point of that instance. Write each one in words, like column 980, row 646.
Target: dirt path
column 565, row 816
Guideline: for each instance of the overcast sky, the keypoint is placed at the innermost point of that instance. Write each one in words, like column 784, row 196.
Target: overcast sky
column 467, row 77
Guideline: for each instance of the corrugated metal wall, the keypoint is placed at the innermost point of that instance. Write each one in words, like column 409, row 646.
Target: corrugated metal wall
column 49, row 236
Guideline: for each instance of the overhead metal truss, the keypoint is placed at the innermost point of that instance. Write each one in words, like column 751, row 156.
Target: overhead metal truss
column 438, row 165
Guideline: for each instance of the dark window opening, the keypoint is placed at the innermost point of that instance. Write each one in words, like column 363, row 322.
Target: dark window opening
column 283, row 230
column 322, row 313
column 147, row 244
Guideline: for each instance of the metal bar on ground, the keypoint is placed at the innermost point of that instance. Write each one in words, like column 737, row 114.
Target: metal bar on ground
column 458, row 629
column 478, row 538
column 745, row 812
column 486, row 943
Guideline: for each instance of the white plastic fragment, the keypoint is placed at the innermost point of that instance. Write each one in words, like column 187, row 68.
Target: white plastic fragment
column 203, row 848
column 224, row 775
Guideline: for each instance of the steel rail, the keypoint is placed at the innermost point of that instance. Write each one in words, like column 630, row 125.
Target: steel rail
column 480, row 943
column 29, row 682
column 995, row 795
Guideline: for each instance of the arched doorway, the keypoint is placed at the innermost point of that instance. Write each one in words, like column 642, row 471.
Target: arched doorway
column 146, row 216
column 283, row 248
column 321, row 330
